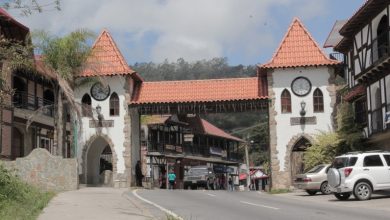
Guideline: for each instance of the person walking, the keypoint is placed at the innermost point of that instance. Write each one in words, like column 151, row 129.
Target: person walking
column 171, row 179
column 138, row 174
column 230, row 184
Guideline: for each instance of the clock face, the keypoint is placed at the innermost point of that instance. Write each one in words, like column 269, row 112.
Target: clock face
column 100, row 92
column 301, row 86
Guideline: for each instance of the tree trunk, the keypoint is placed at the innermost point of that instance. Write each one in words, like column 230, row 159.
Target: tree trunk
column 59, row 125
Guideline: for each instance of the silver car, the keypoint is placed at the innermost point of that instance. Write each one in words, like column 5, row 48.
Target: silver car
column 315, row 180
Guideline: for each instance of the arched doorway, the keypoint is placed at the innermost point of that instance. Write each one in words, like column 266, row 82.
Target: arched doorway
column 98, row 164
column 17, row 143
column 383, row 37
column 297, row 153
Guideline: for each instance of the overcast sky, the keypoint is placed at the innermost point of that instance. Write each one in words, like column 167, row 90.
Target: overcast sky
column 245, row 31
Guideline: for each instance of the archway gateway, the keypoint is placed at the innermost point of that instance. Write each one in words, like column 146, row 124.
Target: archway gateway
column 193, row 97
column 98, row 162
column 297, row 157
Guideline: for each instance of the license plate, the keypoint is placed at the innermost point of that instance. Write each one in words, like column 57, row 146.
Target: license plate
column 193, row 181
column 300, row 186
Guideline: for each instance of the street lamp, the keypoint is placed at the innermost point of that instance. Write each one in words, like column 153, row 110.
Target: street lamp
column 303, row 111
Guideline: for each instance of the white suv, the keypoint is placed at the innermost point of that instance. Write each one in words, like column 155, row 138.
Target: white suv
column 359, row 173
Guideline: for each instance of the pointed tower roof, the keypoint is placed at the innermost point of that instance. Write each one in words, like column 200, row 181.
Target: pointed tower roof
column 298, row 49
column 105, row 59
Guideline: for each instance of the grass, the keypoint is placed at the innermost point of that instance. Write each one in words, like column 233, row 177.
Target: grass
column 18, row 200
column 279, row 191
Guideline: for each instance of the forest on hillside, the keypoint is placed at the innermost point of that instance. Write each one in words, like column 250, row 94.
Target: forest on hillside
column 250, row 126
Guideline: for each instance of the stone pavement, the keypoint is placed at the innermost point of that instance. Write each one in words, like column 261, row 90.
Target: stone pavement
column 95, row 203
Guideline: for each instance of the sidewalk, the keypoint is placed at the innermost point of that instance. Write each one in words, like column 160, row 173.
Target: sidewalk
column 95, row 203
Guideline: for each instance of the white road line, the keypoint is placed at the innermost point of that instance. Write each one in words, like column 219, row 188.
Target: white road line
column 169, row 212
column 210, row 194
column 258, row 205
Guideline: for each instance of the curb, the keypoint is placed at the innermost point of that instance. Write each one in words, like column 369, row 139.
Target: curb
column 169, row 212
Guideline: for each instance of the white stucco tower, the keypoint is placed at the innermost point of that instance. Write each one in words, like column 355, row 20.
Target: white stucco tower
column 107, row 139
column 303, row 95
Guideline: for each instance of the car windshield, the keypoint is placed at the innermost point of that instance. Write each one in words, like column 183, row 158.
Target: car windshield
column 340, row 162
column 316, row 169
column 198, row 171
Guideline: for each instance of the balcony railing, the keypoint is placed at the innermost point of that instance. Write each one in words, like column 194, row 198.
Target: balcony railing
column 31, row 102
column 337, row 56
column 377, row 121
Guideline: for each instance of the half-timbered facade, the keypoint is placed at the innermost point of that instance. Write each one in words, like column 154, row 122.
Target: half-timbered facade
column 365, row 44
column 192, row 140
column 27, row 112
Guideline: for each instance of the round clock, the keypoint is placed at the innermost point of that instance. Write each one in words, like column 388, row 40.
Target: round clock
column 100, row 92
column 301, row 86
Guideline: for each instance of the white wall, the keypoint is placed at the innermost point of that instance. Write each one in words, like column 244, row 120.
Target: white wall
column 282, row 79
column 116, row 133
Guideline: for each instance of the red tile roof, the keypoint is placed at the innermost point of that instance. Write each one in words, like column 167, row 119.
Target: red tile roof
column 42, row 68
column 201, row 126
column 199, row 91
column 106, row 59
column 4, row 14
column 355, row 93
column 298, row 49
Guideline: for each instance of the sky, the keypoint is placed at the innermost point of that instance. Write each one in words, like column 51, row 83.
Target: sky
column 244, row 31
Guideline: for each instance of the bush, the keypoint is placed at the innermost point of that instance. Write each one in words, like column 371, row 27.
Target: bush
column 18, row 200
column 323, row 150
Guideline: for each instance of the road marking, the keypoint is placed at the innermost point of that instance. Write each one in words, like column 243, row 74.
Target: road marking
column 210, row 194
column 169, row 212
column 258, row 205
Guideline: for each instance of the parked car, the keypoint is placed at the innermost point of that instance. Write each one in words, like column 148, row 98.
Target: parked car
column 313, row 181
column 360, row 174
column 199, row 176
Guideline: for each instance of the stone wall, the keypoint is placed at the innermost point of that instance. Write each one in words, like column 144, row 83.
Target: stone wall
column 46, row 171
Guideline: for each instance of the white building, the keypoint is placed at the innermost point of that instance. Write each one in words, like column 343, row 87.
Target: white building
column 302, row 92
column 107, row 137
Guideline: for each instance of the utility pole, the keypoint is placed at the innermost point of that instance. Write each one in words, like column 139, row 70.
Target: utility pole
column 248, row 177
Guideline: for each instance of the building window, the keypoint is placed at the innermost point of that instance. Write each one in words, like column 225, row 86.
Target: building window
column 114, row 105
column 86, row 105
column 361, row 111
column 286, row 101
column 318, row 101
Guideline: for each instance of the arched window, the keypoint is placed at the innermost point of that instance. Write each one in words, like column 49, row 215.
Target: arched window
column 318, row 101
column 383, row 37
column 286, row 101
column 86, row 105
column 114, row 105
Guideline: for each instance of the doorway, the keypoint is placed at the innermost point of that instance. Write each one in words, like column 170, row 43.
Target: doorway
column 297, row 157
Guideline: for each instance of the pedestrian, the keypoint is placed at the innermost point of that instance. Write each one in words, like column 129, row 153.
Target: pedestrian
column 138, row 174
column 230, row 184
column 171, row 179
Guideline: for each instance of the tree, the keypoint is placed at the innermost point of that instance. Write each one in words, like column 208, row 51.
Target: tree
column 28, row 7
column 65, row 57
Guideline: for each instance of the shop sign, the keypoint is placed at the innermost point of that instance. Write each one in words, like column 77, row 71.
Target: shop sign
column 188, row 137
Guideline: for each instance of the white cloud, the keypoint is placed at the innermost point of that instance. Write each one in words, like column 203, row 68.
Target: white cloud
column 190, row 29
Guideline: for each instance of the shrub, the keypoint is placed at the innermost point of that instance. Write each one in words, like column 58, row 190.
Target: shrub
column 18, row 200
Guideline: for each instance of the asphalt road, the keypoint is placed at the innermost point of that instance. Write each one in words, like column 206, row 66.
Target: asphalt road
column 201, row 204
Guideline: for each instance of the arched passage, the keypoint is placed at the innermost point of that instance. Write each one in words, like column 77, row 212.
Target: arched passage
column 98, row 156
column 297, row 153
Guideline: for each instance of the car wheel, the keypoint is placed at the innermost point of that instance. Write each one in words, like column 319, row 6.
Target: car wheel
column 311, row 192
column 325, row 188
column 362, row 191
column 342, row 196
